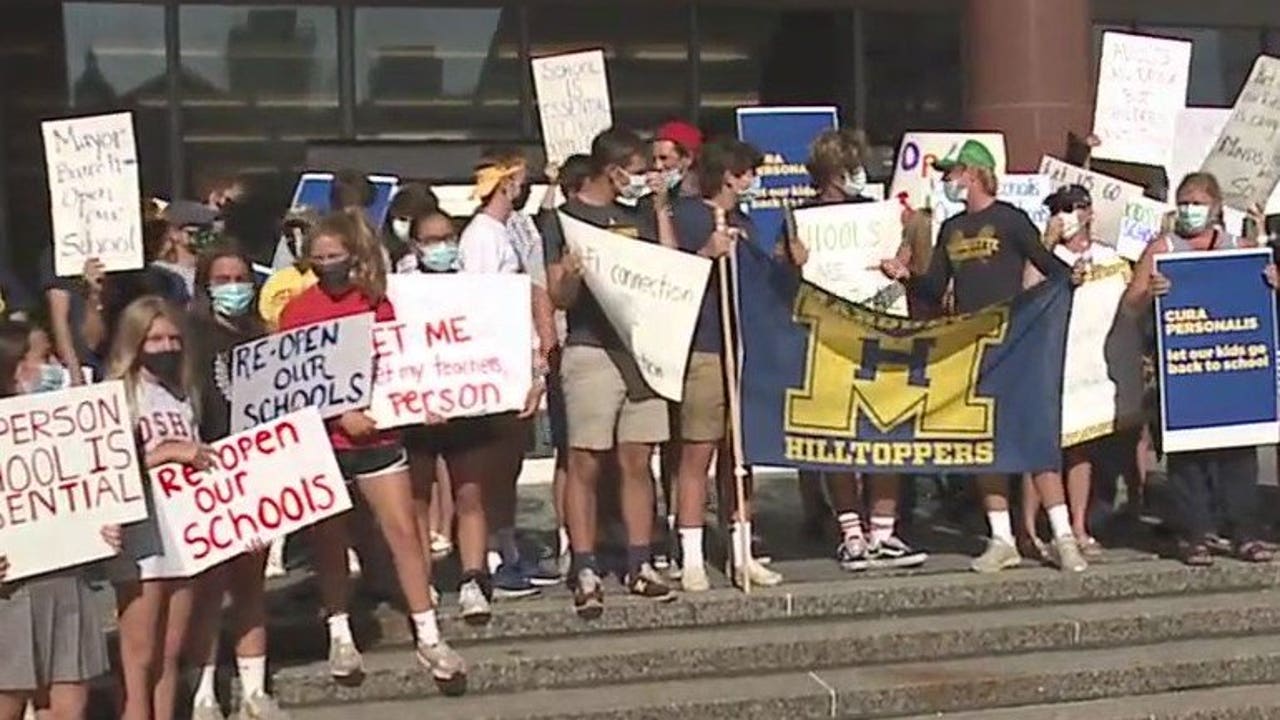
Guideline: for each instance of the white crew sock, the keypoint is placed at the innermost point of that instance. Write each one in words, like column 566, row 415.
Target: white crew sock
column 1060, row 521
column 340, row 628
column 253, row 675
column 1001, row 525
column 850, row 526
column 691, row 547
column 740, row 531
column 206, row 692
column 425, row 624
column 565, row 547
column 881, row 528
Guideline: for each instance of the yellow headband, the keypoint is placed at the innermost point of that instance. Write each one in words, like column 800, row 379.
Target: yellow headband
column 489, row 177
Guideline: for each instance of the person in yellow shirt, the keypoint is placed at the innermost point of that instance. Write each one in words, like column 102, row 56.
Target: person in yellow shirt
column 289, row 280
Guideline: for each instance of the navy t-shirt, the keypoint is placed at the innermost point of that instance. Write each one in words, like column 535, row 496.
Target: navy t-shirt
column 695, row 222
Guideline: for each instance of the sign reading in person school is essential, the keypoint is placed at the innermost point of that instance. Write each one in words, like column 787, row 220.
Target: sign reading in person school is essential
column 265, row 483
column 573, row 101
column 1110, row 195
column 327, row 365
column 783, row 136
column 846, row 243
column 1246, row 157
column 1142, row 84
column 1216, row 350
column 1142, row 222
column 651, row 295
column 461, row 345
column 913, row 173
column 95, row 205
column 312, row 193
column 68, row 466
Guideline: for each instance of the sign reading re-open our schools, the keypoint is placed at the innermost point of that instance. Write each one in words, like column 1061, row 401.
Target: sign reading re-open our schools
column 1216, row 341
column 783, row 136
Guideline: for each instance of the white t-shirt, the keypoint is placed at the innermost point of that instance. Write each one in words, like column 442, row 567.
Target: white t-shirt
column 488, row 245
column 162, row 417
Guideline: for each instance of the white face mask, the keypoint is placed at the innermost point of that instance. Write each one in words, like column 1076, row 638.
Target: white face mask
column 400, row 228
column 637, row 187
column 1070, row 224
column 855, row 183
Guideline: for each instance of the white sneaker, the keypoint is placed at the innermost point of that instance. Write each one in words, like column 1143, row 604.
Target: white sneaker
column 473, row 603
column 759, row 575
column 694, row 579
column 202, row 711
column 346, row 665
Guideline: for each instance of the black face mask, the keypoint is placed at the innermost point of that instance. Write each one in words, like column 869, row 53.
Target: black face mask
column 165, row 365
column 334, row 278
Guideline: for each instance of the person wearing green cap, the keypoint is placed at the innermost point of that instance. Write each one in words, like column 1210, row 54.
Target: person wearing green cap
column 982, row 253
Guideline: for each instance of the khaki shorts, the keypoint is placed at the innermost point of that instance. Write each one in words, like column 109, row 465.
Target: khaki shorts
column 702, row 413
column 597, row 410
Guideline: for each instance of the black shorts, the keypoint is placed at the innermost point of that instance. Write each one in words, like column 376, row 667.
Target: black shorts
column 454, row 436
column 372, row 462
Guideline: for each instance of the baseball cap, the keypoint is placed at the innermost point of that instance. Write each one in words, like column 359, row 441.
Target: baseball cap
column 969, row 154
column 683, row 134
column 1068, row 198
column 187, row 213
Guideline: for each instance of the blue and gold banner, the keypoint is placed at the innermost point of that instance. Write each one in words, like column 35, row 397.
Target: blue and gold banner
column 830, row 385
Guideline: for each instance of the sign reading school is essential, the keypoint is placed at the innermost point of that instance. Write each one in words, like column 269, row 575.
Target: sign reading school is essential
column 651, row 295
column 265, row 483
column 326, row 365
column 783, row 136
column 1216, row 348
column 1142, row 84
column 913, row 173
column 461, row 345
column 573, row 101
column 68, row 466
column 846, row 243
column 1110, row 195
column 1246, row 157
column 92, row 164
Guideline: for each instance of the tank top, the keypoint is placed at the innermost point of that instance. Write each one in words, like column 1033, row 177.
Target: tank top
column 1222, row 240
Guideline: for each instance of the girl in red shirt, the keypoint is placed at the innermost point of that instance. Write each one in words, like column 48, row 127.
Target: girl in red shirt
column 352, row 277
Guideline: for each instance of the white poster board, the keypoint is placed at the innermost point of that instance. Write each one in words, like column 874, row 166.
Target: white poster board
column 266, row 483
column 1027, row 192
column 94, row 201
column 1246, row 156
column 1198, row 128
column 1142, row 84
column 68, row 466
column 1110, row 195
column 461, row 345
column 651, row 295
column 1102, row 372
column 326, row 365
column 573, row 101
column 913, row 172
column 846, row 243
column 1142, row 222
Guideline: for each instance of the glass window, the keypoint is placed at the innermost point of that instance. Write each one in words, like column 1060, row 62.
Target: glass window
column 912, row 85
column 1220, row 60
column 438, row 72
column 646, row 52
column 115, row 59
column 755, row 56
column 257, row 82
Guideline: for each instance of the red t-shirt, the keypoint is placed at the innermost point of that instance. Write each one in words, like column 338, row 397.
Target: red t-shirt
column 314, row 305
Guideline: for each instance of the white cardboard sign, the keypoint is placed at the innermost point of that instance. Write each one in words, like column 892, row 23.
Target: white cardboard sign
column 846, row 243
column 573, row 101
column 1246, row 156
column 1027, row 192
column 1142, row 222
column 1110, row 195
column 913, row 172
column 1142, row 84
column 94, row 201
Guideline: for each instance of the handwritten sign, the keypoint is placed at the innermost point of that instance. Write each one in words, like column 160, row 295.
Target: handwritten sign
column 651, row 295
column 1142, row 84
column 1142, row 222
column 68, row 466
column 461, row 345
column 1110, row 195
column 846, row 243
column 573, row 101
column 266, row 483
column 326, row 365
column 1027, row 192
column 913, row 174
column 1246, row 157
column 92, row 164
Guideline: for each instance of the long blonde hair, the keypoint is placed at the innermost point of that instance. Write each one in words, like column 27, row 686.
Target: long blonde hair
column 368, row 267
column 124, row 361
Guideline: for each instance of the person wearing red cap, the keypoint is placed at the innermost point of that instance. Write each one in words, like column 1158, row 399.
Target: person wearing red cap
column 675, row 148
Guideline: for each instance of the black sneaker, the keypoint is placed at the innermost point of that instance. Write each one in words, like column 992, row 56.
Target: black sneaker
column 647, row 583
column 588, row 595
column 894, row 553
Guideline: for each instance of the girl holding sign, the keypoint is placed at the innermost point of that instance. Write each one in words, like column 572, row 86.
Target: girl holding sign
column 349, row 264
column 51, row 630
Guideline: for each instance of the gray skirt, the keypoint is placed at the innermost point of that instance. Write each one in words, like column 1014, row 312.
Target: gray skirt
column 52, row 632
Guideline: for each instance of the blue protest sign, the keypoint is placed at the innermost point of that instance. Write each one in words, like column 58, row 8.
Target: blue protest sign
column 783, row 135
column 312, row 191
column 1216, row 345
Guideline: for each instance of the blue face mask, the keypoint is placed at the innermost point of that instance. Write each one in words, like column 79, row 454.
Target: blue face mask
column 754, row 191
column 52, row 377
column 231, row 299
column 439, row 257
column 1192, row 219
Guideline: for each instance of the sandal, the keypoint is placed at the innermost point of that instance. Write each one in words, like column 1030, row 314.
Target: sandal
column 1090, row 547
column 1196, row 555
column 1254, row 552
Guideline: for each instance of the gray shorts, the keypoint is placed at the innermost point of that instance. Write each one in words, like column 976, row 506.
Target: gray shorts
column 597, row 410
column 51, row 631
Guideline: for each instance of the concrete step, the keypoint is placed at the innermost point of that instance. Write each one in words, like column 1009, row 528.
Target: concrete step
column 299, row 633
column 1247, row 702
column 1024, row 682
column 650, row 656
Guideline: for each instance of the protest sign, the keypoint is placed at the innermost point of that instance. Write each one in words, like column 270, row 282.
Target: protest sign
column 846, row 243
column 651, row 295
column 1027, row 192
column 68, row 466
column 1142, row 222
column 461, row 345
column 92, row 165
column 1102, row 373
column 327, row 365
column 573, row 101
column 874, row 191
column 1142, row 84
column 1246, row 157
column 783, row 135
column 312, row 192
column 1198, row 128
column 1216, row 350
column 1110, row 195
column 913, row 173
column 265, row 483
